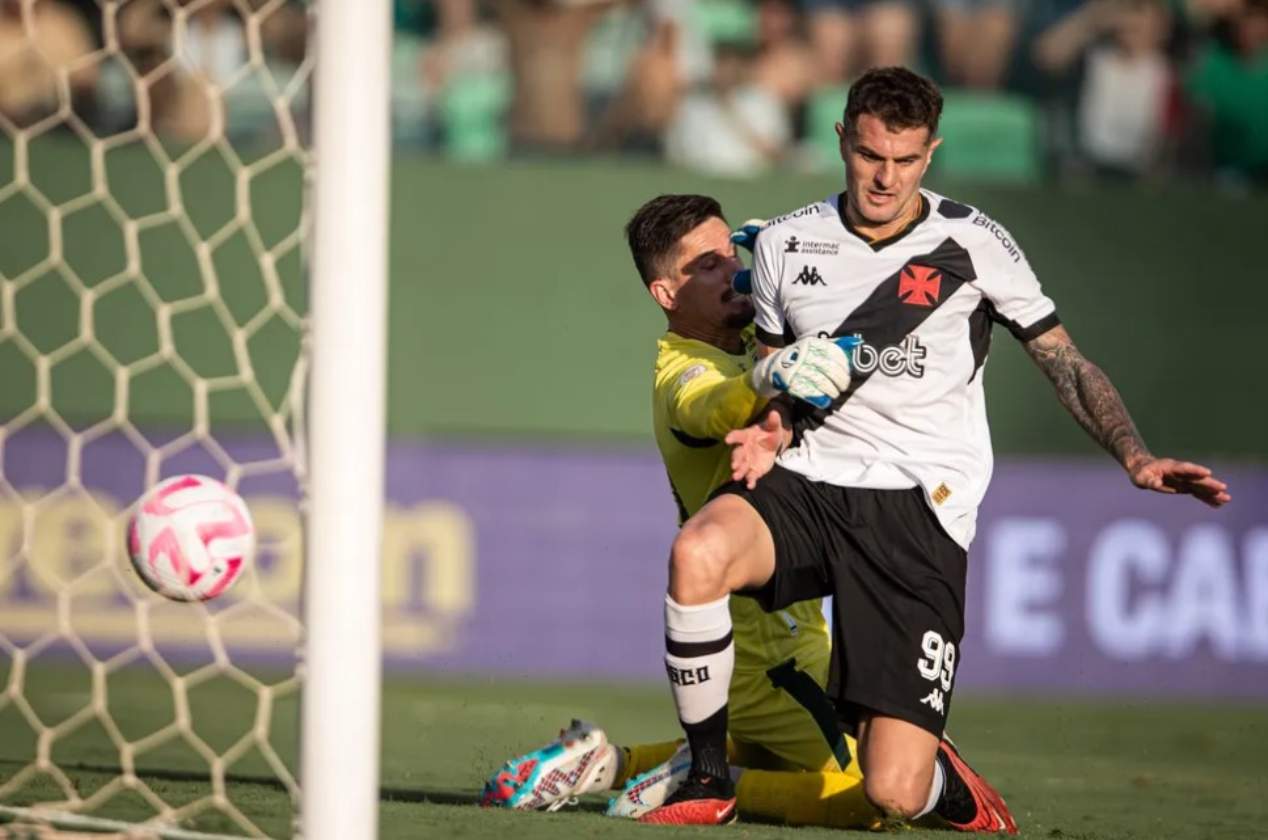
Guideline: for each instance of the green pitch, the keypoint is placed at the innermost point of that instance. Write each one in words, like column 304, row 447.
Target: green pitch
column 1070, row 769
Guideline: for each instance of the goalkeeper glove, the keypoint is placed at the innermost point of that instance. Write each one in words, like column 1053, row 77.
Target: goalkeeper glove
column 746, row 238
column 815, row 370
column 746, row 235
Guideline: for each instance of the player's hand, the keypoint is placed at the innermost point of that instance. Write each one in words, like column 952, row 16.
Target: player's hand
column 1167, row 475
column 755, row 449
column 815, row 370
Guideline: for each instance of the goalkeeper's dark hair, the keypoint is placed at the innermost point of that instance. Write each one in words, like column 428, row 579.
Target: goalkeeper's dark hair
column 897, row 97
column 654, row 230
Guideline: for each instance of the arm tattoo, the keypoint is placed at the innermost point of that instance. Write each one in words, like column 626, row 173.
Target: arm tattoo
column 1086, row 392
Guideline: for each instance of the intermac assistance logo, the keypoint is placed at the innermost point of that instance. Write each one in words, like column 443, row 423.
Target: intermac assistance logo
column 919, row 285
column 822, row 248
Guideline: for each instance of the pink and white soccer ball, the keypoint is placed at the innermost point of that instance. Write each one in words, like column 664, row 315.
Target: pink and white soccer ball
column 191, row 538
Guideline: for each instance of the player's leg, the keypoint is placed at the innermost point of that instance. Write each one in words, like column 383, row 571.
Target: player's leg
column 899, row 611
column 791, row 720
column 726, row 546
column 767, row 542
column 911, row 774
column 898, row 764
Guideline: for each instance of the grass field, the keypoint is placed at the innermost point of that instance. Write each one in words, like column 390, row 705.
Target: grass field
column 1070, row 769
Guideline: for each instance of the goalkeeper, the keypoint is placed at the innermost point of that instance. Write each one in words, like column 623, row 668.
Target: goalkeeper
column 705, row 385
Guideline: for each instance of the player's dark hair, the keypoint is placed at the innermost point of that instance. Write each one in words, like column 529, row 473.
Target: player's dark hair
column 655, row 228
column 897, row 97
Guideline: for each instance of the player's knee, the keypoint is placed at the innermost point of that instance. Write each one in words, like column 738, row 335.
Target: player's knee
column 896, row 793
column 698, row 564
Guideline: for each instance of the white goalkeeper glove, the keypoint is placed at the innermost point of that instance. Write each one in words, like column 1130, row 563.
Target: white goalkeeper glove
column 815, row 370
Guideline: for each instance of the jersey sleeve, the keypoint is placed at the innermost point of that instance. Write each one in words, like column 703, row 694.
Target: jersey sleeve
column 769, row 321
column 704, row 404
column 1009, row 284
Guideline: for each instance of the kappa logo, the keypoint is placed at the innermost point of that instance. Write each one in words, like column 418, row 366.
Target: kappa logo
column 919, row 285
column 934, row 701
column 790, row 247
column 809, row 276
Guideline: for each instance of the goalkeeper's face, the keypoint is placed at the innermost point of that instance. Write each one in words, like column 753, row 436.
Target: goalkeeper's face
column 699, row 280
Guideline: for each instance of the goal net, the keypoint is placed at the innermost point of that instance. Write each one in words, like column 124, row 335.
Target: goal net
column 153, row 321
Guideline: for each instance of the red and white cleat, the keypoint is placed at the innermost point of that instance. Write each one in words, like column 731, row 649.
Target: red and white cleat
column 993, row 816
column 700, row 800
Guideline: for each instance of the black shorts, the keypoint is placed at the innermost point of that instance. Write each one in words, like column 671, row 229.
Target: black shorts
column 898, row 584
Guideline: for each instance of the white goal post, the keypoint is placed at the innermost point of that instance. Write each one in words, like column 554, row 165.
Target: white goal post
column 342, row 604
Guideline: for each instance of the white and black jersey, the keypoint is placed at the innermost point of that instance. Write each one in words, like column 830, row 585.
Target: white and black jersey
column 923, row 302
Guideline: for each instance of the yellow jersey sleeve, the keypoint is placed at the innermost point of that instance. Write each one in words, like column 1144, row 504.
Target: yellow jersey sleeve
column 700, row 393
column 706, row 401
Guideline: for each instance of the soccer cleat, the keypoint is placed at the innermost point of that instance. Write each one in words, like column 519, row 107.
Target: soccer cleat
column 992, row 814
column 649, row 790
column 553, row 776
column 699, row 800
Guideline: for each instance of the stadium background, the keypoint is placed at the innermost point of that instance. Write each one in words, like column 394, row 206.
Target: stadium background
column 1118, row 658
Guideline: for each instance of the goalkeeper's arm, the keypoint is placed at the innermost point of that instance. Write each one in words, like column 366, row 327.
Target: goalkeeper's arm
column 708, row 405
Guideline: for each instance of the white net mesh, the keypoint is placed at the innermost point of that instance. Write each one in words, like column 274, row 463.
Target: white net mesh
column 152, row 320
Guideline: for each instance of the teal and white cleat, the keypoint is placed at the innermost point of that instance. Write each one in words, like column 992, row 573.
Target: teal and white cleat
column 648, row 791
column 579, row 761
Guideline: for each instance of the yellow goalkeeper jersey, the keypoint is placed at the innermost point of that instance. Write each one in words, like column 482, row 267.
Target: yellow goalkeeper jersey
column 700, row 394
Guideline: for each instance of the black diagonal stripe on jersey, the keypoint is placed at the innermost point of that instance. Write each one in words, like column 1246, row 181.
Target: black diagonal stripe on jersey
column 885, row 319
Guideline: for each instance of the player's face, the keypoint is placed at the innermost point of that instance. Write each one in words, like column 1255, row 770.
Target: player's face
column 704, row 263
column 883, row 167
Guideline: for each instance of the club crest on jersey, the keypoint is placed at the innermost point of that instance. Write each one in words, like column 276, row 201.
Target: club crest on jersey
column 919, row 285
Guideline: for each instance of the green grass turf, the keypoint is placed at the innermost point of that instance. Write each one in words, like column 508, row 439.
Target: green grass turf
column 1071, row 769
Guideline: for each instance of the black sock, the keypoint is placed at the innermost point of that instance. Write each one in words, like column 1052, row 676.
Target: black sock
column 956, row 803
column 707, row 740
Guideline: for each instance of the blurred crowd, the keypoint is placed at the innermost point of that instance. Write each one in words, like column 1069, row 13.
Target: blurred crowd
column 1118, row 88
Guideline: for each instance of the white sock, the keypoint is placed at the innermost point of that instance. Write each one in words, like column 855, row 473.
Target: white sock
column 699, row 658
column 938, row 782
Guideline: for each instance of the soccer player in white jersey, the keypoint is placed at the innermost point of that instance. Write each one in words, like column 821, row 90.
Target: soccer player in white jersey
column 874, row 500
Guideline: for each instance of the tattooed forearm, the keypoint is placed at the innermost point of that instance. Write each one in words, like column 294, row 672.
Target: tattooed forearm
column 1087, row 393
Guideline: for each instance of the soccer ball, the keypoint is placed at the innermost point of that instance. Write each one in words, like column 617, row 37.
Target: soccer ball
column 191, row 538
